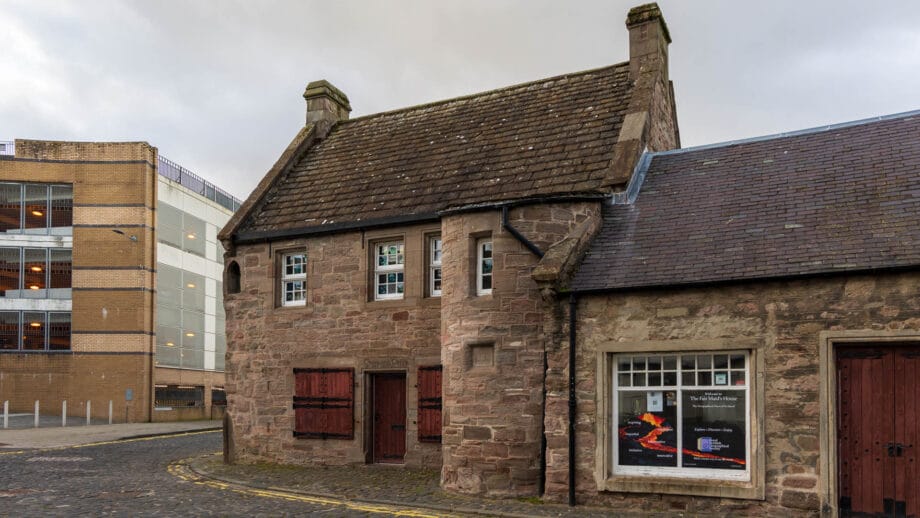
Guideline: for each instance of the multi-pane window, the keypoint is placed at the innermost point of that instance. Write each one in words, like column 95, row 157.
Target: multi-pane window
column 294, row 279
column 35, row 272
column 34, row 331
column 484, row 266
column 33, row 208
column 389, row 270
column 682, row 415
column 434, row 266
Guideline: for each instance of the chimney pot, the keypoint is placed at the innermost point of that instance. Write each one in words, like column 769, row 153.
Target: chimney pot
column 325, row 102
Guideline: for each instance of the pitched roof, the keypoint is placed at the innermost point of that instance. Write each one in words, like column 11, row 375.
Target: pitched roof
column 837, row 199
column 545, row 138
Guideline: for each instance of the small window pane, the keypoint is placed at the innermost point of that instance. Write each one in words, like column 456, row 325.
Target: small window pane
column 738, row 378
column 720, row 361
column 704, row 361
column 670, row 378
column 623, row 364
column 623, row 380
column 654, row 379
column 688, row 362
column 639, row 380
column 704, row 378
column 638, row 363
column 654, row 363
column 670, row 363
column 737, row 361
column 720, row 378
column 688, row 378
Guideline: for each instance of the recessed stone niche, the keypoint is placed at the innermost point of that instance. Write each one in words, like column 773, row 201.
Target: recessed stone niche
column 480, row 355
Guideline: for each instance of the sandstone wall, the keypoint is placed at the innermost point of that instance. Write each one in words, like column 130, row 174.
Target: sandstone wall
column 786, row 316
column 493, row 349
column 339, row 327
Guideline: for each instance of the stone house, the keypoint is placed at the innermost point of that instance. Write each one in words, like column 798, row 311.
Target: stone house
column 413, row 287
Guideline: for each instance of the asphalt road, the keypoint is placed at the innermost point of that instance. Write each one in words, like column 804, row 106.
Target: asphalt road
column 138, row 478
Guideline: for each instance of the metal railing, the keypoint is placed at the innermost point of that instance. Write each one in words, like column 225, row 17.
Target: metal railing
column 8, row 147
column 189, row 180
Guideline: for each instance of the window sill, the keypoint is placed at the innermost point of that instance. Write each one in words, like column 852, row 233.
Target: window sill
column 680, row 486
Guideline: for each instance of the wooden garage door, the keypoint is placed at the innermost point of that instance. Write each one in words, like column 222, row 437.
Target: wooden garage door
column 878, row 431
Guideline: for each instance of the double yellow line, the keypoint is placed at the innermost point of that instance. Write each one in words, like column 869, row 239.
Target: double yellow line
column 181, row 470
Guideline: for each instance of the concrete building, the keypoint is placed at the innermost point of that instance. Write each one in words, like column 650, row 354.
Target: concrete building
column 111, row 277
column 536, row 290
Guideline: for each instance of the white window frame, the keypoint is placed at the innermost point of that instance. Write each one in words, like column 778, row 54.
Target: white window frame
column 290, row 277
column 480, row 258
column 434, row 266
column 679, row 471
column 396, row 268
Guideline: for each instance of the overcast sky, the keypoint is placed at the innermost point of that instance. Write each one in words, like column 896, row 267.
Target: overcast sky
column 217, row 85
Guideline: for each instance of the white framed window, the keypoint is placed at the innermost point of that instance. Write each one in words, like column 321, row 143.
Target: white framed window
column 294, row 279
column 684, row 415
column 484, row 266
column 434, row 266
column 389, row 270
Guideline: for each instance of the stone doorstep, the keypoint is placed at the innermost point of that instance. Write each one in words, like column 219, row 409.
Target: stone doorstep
column 523, row 509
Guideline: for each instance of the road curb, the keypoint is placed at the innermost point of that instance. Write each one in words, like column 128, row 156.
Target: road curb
column 197, row 470
column 167, row 434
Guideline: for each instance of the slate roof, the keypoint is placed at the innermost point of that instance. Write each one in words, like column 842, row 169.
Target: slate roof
column 833, row 200
column 544, row 138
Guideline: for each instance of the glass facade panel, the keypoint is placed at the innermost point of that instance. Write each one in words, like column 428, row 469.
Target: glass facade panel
column 60, row 273
column 10, row 272
column 220, row 351
column 34, row 326
column 169, row 225
column 193, row 235
column 61, row 206
column 59, row 331
column 193, row 291
column 35, row 266
column 9, row 330
column 36, row 208
column 10, row 207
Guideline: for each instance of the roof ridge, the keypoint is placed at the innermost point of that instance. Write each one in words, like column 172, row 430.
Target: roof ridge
column 479, row 94
column 795, row 133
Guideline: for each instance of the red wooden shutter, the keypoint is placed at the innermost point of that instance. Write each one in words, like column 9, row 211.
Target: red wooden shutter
column 429, row 404
column 324, row 403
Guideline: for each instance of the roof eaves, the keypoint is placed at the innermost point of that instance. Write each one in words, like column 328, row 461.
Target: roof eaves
column 288, row 233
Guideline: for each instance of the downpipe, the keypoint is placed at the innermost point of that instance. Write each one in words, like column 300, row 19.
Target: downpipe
column 573, row 304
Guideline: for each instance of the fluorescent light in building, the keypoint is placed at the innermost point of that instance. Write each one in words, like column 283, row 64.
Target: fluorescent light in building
column 190, row 285
column 38, row 213
column 36, row 268
column 34, row 287
column 35, row 324
column 190, row 236
column 189, row 334
column 170, row 344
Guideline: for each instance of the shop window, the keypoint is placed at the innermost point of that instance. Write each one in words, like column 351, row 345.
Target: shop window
column 429, row 404
column 685, row 415
column 324, row 403
column 218, row 397
column 389, row 270
column 434, row 266
column 178, row 396
column 294, row 279
column 484, row 266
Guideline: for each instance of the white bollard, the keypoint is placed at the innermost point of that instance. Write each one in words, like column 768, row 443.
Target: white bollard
column 6, row 414
column 36, row 413
column 110, row 411
column 89, row 405
column 64, row 413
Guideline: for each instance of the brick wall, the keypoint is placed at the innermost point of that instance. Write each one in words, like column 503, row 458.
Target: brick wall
column 787, row 317
column 493, row 413
column 338, row 327
column 114, row 187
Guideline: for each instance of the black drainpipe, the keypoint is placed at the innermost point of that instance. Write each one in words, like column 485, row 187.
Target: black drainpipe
column 517, row 235
column 573, row 303
column 541, row 486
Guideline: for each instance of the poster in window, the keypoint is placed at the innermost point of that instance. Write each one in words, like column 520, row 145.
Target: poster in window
column 646, row 429
column 713, row 429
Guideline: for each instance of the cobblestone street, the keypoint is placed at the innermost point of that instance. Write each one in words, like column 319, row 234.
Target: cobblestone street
column 133, row 478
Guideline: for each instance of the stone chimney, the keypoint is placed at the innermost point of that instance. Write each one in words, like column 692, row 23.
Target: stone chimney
column 325, row 103
column 648, row 41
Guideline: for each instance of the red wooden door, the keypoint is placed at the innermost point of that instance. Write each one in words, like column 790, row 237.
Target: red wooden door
column 389, row 418
column 877, row 428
